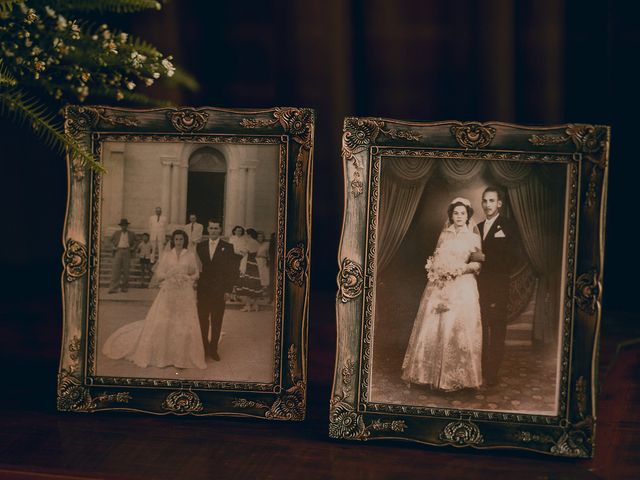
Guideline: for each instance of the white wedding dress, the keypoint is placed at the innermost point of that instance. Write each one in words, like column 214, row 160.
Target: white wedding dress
column 445, row 348
column 170, row 334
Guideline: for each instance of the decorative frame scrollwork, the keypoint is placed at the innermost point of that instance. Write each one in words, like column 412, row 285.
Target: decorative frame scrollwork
column 182, row 402
column 588, row 291
column 473, row 135
column 82, row 385
column 462, row 432
column 75, row 260
column 358, row 411
column 296, row 264
column 297, row 122
column 188, row 120
column 350, row 280
column 359, row 135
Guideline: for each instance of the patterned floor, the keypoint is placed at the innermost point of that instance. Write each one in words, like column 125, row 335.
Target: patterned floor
column 527, row 385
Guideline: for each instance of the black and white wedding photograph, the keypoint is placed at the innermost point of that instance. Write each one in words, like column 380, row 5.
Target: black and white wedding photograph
column 469, row 282
column 187, row 264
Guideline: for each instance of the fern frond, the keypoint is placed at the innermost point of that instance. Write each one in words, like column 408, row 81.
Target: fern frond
column 6, row 79
column 7, row 5
column 45, row 124
column 129, row 97
column 102, row 6
column 183, row 79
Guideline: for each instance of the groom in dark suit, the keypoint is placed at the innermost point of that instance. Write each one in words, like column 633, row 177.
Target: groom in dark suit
column 499, row 254
column 219, row 272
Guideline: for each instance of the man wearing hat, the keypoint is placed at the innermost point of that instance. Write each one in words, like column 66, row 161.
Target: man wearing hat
column 124, row 244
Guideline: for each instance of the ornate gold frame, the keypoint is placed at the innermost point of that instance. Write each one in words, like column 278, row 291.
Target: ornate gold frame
column 585, row 150
column 79, row 388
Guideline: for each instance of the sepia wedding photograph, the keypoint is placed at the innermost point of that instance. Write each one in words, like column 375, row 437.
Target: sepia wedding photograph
column 468, row 293
column 187, row 262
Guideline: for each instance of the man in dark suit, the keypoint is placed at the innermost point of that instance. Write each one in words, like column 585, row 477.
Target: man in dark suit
column 219, row 273
column 499, row 254
column 123, row 243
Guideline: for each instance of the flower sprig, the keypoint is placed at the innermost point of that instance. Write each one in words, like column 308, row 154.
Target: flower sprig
column 52, row 57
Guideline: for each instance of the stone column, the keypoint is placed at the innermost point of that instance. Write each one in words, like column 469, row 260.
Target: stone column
column 182, row 196
column 166, row 185
column 250, row 195
column 232, row 214
column 114, row 194
column 239, row 196
column 176, row 172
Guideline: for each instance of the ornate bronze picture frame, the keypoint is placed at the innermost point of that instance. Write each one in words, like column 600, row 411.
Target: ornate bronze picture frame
column 470, row 284
column 186, row 264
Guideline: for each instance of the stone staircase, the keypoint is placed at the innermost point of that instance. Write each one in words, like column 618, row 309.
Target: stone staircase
column 106, row 267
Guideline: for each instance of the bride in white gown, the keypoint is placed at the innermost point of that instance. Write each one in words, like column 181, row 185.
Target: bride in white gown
column 445, row 348
column 170, row 333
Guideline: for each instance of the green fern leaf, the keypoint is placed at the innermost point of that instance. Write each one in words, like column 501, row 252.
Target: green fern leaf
column 7, row 5
column 129, row 97
column 183, row 79
column 46, row 125
column 6, row 78
column 101, row 6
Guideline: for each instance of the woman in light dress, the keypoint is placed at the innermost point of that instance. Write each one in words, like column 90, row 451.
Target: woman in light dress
column 250, row 288
column 445, row 348
column 170, row 333
column 239, row 241
column 262, row 259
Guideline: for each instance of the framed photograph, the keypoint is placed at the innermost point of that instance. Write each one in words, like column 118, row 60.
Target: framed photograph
column 186, row 263
column 470, row 284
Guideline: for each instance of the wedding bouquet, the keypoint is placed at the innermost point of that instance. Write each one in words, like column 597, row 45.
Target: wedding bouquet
column 178, row 280
column 442, row 269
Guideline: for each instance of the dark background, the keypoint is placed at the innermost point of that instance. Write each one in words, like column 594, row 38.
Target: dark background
column 529, row 62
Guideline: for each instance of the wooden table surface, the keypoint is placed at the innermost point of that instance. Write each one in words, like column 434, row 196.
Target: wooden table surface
column 37, row 442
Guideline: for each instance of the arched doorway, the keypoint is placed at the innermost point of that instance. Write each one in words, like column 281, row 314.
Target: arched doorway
column 206, row 185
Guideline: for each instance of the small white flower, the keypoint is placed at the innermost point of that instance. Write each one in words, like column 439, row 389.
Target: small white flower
column 62, row 23
column 148, row 82
column 119, row 95
column 75, row 30
column 168, row 67
column 50, row 11
column 36, row 50
column 137, row 59
column 123, row 37
column 155, row 75
column 131, row 85
column 30, row 16
column 83, row 92
column 110, row 46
